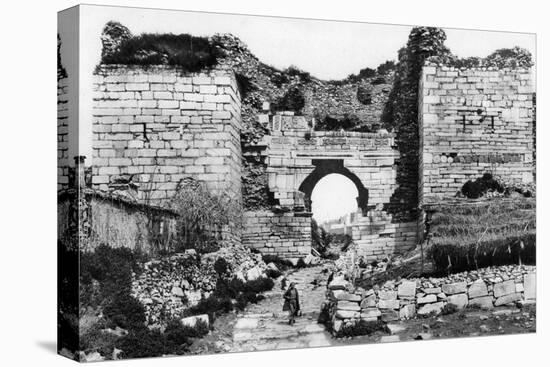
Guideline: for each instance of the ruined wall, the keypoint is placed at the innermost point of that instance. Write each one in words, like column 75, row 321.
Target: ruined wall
column 153, row 127
column 297, row 158
column 62, row 132
column 287, row 235
column 474, row 121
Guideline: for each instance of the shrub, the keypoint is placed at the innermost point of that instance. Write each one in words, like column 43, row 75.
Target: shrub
column 221, row 266
column 142, row 342
column 272, row 273
column 449, row 308
column 125, row 311
column 259, row 285
column 112, row 268
column 479, row 187
column 95, row 339
column 360, row 328
column 201, row 215
column 304, row 76
column 292, row 100
column 364, row 94
column 328, row 123
column 183, row 50
column 281, row 263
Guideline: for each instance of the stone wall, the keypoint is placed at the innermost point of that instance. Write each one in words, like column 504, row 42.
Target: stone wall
column 287, row 235
column 409, row 298
column 474, row 121
column 297, row 158
column 62, row 132
column 154, row 127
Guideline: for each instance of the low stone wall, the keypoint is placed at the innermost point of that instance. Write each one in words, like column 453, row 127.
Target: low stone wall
column 287, row 235
column 409, row 298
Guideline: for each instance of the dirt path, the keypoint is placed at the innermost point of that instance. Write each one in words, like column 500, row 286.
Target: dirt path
column 264, row 325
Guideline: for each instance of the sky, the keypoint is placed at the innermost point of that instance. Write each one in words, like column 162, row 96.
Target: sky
column 333, row 197
column 326, row 49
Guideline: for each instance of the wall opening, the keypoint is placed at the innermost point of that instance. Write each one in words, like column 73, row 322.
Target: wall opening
column 334, row 198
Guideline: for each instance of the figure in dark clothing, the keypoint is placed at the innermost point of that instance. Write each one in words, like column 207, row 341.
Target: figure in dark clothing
column 292, row 303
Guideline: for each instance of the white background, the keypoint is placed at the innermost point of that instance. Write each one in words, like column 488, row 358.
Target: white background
column 28, row 182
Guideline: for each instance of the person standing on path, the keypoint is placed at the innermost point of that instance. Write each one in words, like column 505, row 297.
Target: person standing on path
column 292, row 302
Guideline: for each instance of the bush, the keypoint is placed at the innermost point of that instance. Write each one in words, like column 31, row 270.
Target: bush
column 125, row 311
column 221, row 266
column 360, row 328
column 449, row 309
column 281, row 263
column 201, row 216
column 304, row 76
column 364, row 94
column 112, row 268
column 95, row 339
column 292, row 100
column 183, row 50
column 258, row 285
column 272, row 273
column 142, row 342
column 479, row 187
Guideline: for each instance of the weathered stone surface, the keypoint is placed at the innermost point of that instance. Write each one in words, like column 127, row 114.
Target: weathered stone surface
column 253, row 273
column 192, row 321
column 430, row 298
column 353, row 297
column 349, row 306
column 371, row 312
column 434, row 290
column 530, row 286
column 247, row 323
column 509, row 298
column 387, row 295
column 407, row 312
column 504, row 288
column 485, row 302
column 430, row 308
column 338, row 284
column 388, row 304
column 390, row 315
column 478, row 289
column 406, row 289
column 459, row 300
column 344, row 314
column 370, row 301
column 454, row 288
column 395, row 328
column 177, row 291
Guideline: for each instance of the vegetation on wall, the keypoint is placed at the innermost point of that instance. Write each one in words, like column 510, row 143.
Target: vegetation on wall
column 182, row 50
column 201, row 216
column 480, row 234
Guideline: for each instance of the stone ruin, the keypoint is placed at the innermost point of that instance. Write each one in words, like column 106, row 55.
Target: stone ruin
column 154, row 126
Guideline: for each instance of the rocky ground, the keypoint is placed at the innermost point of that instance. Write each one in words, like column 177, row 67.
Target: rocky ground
column 264, row 326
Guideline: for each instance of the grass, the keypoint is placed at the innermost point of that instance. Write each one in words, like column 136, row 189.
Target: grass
column 483, row 233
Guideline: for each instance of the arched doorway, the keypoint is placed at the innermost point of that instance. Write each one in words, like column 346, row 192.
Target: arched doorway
column 327, row 167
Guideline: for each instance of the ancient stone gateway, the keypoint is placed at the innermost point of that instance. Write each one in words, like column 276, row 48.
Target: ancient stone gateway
column 297, row 159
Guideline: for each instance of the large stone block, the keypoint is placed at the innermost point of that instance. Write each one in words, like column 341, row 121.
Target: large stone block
column 459, row 300
column 430, row 308
column 345, row 314
column 478, row 289
column 504, row 288
column 349, row 306
column 370, row 312
column 390, row 315
column 406, row 289
column 454, row 288
column 485, row 302
column 369, row 301
column 407, row 312
column 387, row 295
column 388, row 304
column 430, row 298
column 507, row 299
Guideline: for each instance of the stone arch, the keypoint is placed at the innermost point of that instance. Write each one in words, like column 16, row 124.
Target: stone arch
column 324, row 167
